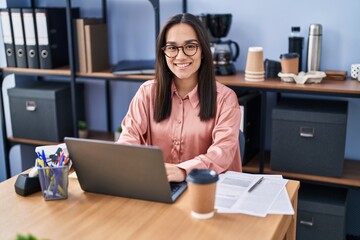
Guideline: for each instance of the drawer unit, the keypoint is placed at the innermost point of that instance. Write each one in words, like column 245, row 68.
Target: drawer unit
column 321, row 213
column 41, row 111
column 308, row 136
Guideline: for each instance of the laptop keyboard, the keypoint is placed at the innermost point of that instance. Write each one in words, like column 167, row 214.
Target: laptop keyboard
column 174, row 187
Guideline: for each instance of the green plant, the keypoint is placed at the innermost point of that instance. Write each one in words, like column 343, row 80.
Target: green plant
column 82, row 125
column 119, row 129
column 24, row 237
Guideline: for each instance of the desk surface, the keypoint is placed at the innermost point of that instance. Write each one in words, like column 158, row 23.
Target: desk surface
column 94, row 216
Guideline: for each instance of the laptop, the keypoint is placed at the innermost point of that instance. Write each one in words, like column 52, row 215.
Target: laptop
column 132, row 171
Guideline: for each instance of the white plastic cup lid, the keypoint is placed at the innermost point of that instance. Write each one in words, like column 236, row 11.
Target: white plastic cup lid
column 255, row 49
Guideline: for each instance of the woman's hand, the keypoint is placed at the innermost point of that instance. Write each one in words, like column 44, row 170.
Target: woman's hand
column 174, row 173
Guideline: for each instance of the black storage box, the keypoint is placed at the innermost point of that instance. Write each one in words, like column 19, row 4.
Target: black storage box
column 321, row 213
column 308, row 136
column 41, row 111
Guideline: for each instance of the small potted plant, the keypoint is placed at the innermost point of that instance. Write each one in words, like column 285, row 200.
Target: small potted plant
column 117, row 133
column 82, row 126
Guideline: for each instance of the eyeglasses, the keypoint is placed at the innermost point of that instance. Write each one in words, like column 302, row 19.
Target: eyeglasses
column 172, row 51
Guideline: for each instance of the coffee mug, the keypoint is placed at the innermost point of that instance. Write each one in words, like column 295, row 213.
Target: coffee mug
column 355, row 70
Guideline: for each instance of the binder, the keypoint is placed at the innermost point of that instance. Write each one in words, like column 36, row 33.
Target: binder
column 19, row 37
column 8, row 37
column 52, row 36
column 30, row 38
column 97, row 53
column 81, row 44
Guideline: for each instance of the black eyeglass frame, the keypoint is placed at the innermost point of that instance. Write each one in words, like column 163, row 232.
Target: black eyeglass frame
column 182, row 47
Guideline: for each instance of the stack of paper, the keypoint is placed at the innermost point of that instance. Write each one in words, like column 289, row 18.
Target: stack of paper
column 269, row 196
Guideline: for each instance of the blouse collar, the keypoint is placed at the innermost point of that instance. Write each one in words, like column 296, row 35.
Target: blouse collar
column 192, row 95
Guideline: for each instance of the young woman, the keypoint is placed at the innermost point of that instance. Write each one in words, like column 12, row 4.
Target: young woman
column 191, row 117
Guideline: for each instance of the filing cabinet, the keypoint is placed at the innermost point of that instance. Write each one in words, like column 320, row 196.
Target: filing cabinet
column 308, row 136
column 42, row 110
column 321, row 213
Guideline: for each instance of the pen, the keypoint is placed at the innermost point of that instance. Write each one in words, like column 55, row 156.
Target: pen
column 40, row 162
column 66, row 159
column 44, row 157
column 59, row 159
column 62, row 160
column 255, row 184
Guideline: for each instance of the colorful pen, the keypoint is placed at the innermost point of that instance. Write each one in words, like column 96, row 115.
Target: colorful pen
column 62, row 160
column 44, row 157
column 59, row 159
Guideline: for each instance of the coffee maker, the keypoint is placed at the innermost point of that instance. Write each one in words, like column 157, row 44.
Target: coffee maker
column 224, row 52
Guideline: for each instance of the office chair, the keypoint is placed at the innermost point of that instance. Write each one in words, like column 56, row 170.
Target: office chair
column 242, row 145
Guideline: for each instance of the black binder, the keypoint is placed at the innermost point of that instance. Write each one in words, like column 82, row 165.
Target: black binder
column 8, row 37
column 30, row 37
column 19, row 37
column 52, row 36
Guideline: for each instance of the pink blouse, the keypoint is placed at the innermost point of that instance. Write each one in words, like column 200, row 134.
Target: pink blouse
column 184, row 139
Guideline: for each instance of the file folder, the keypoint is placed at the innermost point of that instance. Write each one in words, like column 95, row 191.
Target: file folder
column 81, row 43
column 97, row 52
column 52, row 36
column 19, row 37
column 8, row 37
column 30, row 38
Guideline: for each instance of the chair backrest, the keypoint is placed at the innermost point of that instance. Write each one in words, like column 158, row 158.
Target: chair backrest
column 242, row 144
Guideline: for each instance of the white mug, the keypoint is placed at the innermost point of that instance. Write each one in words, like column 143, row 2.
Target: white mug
column 355, row 71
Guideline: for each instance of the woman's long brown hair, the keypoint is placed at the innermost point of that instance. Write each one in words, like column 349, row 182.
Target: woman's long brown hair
column 206, row 75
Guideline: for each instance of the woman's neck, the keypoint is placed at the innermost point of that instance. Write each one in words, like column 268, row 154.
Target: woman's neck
column 184, row 86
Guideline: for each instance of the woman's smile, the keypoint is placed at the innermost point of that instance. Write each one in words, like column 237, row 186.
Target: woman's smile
column 182, row 65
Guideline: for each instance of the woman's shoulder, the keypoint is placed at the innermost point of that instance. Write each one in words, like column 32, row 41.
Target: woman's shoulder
column 147, row 86
column 224, row 91
column 226, row 97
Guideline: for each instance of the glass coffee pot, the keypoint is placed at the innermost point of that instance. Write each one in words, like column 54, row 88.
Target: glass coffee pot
column 224, row 52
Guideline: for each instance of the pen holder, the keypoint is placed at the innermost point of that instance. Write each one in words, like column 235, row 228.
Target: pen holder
column 54, row 182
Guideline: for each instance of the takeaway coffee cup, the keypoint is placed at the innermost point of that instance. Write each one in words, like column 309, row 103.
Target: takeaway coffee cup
column 290, row 63
column 254, row 60
column 202, row 187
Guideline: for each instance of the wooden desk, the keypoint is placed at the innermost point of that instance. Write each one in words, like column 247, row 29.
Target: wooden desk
column 94, row 216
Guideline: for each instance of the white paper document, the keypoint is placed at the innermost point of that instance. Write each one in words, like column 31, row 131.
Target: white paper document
column 269, row 196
